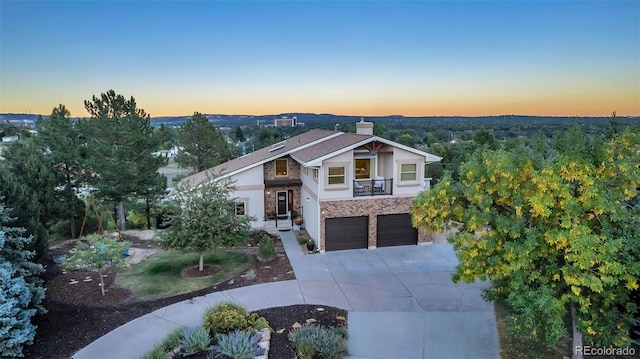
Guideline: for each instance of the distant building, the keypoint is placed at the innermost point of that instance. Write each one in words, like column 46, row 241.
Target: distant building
column 285, row 122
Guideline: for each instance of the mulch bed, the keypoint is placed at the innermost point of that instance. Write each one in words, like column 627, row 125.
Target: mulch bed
column 78, row 314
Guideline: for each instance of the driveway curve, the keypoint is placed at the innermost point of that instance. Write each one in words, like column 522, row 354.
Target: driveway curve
column 401, row 302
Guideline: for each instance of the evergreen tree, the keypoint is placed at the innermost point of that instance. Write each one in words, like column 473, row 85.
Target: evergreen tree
column 239, row 135
column 120, row 143
column 28, row 184
column 21, row 291
column 202, row 145
column 61, row 142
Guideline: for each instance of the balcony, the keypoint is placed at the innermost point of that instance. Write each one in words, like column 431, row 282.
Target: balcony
column 373, row 187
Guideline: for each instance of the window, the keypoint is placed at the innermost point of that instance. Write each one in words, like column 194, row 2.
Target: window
column 336, row 175
column 240, row 208
column 281, row 167
column 408, row 172
column 315, row 174
column 364, row 168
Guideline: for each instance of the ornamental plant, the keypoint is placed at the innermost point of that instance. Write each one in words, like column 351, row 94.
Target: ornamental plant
column 97, row 252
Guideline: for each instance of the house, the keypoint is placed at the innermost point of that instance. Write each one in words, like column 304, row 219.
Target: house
column 353, row 190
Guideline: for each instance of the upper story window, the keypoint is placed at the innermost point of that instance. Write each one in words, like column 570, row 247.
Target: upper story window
column 364, row 168
column 281, row 167
column 315, row 174
column 408, row 172
column 336, row 176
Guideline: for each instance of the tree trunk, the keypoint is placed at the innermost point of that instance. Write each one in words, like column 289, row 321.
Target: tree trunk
column 148, row 212
column 72, row 221
column 201, row 262
column 121, row 217
column 577, row 336
column 101, row 282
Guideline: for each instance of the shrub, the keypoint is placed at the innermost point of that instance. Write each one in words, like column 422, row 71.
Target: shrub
column 172, row 340
column 311, row 339
column 266, row 247
column 156, row 353
column 330, row 345
column 239, row 344
column 340, row 331
column 301, row 240
column 305, row 350
column 251, row 274
column 226, row 317
column 160, row 350
column 195, row 339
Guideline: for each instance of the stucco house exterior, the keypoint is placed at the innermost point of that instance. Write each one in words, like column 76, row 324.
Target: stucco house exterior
column 353, row 190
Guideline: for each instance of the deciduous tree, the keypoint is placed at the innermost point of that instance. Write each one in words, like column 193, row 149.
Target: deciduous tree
column 557, row 235
column 97, row 252
column 204, row 218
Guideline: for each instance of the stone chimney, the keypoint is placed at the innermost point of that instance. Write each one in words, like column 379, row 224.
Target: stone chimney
column 364, row 128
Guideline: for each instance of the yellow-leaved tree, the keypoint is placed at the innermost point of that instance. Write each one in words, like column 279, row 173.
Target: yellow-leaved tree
column 557, row 233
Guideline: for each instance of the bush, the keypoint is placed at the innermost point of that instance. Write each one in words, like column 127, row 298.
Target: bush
column 340, row 331
column 301, row 240
column 226, row 317
column 195, row 339
column 156, row 353
column 172, row 340
column 136, row 220
column 266, row 247
column 239, row 344
column 311, row 339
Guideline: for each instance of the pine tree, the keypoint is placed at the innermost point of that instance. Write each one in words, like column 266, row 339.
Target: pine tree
column 120, row 142
column 202, row 146
column 28, row 186
column 62, row 144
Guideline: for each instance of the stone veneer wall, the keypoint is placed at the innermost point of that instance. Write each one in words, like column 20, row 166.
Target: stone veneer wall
column 367, row 206
column 270, row 198
column 293, row 172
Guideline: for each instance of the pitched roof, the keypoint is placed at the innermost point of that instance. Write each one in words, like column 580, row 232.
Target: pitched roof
column 261, row 156
column 309, row 148
column 329, row 146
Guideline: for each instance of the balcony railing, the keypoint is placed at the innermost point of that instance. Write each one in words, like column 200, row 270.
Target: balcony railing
column 373, row 187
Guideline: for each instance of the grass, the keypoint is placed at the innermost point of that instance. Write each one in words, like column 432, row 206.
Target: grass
column 160, row 276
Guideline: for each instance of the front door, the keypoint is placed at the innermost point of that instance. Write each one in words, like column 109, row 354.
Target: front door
column 282, row 203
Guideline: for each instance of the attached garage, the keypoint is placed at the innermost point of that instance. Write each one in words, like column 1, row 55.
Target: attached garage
column 346, row 233
column 396, row 230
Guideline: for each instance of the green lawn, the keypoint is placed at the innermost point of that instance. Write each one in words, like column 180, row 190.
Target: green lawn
column 160, row 275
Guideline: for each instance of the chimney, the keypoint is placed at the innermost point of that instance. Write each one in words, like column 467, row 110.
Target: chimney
column 364, row 128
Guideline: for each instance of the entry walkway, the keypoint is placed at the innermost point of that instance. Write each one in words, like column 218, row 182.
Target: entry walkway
column 401, row 303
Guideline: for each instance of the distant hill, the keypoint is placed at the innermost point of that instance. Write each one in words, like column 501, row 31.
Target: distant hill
column 328, row 120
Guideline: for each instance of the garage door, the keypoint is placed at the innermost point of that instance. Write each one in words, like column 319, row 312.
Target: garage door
column 396, row 230
column 346, row 233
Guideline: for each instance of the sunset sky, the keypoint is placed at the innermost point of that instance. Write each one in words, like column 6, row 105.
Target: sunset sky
column 368, row 58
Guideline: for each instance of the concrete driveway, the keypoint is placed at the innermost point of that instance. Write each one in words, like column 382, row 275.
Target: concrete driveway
column 401, row 302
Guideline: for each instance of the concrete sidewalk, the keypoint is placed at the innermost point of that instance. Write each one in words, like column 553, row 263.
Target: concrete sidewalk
column 401, row 303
